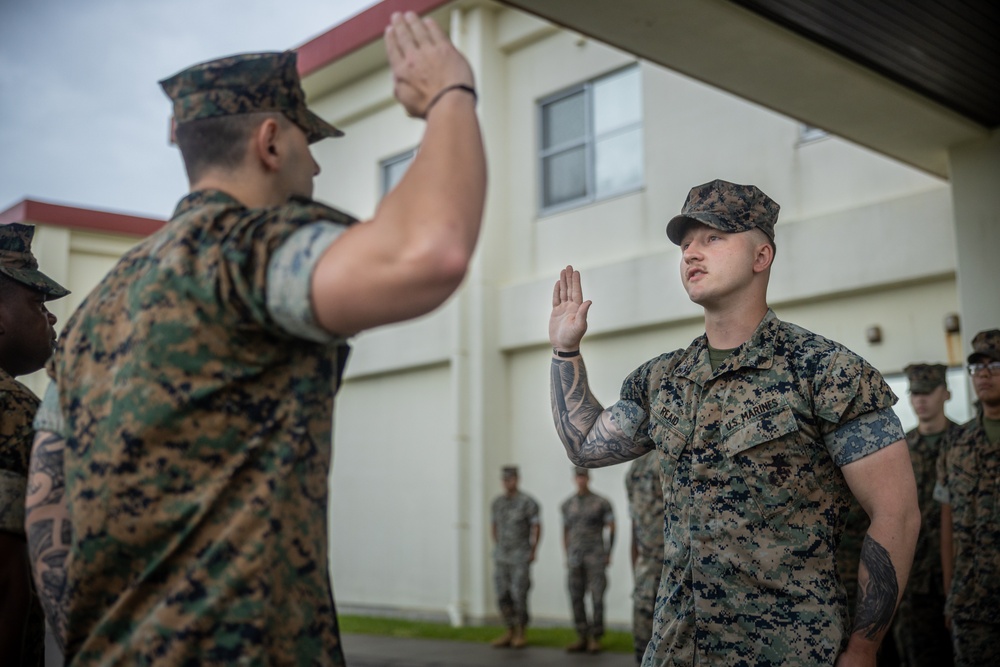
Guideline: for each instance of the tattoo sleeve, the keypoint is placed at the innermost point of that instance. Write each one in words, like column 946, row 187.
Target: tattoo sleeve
column 877, row 596
column 589, row 433
column 48, row 528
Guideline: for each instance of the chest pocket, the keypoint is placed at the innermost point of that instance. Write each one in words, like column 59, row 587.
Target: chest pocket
column 772, row 459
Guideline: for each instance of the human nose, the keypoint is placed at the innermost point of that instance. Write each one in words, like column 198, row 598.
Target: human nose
column 316, row 168
column 52, row 318
column 691, row 252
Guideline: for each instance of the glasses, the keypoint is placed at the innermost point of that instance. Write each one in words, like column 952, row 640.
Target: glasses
column 992, row 368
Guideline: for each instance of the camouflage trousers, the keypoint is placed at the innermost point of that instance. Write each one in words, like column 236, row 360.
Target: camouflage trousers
column 647, row 582
column 512, row 582
column 588, row 576
column 922, row 639
column 975, row 644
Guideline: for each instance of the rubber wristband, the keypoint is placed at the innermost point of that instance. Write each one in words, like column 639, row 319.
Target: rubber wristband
column 457, row 86
column 566, row 355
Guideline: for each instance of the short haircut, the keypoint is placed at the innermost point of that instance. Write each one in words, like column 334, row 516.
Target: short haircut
column 219, row 142
column 762, row 237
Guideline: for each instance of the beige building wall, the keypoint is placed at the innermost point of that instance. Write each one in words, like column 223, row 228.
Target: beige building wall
column 432, row 409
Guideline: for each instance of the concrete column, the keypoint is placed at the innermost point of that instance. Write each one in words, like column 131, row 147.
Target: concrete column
column 480, row 376
column 975, row 185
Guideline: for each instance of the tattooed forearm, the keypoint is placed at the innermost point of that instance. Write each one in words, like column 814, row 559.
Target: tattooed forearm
column 48, row 528
column 587, row 431
column 876, row 597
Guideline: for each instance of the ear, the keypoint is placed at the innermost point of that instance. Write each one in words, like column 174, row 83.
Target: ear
column 763, row 258
column 266, row 146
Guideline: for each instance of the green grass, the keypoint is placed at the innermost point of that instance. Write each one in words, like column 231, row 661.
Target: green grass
column 613, row 640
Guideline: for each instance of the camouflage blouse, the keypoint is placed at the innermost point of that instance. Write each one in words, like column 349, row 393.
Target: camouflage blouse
column 645, row 506
column 198, row 435
column 926, row 575
column 17, row 408
column 584, row 518
column 968, row 479
column 513, row 518
column 753, row 495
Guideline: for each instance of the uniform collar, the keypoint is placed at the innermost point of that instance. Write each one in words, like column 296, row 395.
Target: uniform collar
column 757, row 352
column 200, row 198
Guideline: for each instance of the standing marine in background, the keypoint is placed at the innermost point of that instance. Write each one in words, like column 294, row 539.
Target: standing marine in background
column 516, row 530
column 922, row 638
column 27, row 338
column 968, row 488
column 645, row 506
column 588, row 554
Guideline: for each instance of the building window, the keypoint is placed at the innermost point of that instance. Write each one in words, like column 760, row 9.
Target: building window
column 591, row 141
column 392, row 169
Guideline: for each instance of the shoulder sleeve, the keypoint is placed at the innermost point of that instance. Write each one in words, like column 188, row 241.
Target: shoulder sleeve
column 631, row 412
column 533, row 511
column 280, row 244
column 49, row 416
column 855, row 405
column 289, row 280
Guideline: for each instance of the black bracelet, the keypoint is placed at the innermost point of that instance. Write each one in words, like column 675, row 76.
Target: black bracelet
column 457, row 86
column 566, row 355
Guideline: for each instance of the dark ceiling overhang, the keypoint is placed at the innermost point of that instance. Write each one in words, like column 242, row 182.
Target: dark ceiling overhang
column 907, row 78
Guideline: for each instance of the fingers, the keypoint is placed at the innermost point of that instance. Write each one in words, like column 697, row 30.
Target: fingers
column 568, row 287
column 402, row 27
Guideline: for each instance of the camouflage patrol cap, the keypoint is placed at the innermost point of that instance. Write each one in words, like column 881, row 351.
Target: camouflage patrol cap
column 925, row 378
column 728, row 207
column 509, row 471
column 247, row 83
column 986, row 344
column 19, row 264
column 581, row 472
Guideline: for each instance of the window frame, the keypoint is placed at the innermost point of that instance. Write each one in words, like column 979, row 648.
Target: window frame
column 390, row 161
column 589, row 142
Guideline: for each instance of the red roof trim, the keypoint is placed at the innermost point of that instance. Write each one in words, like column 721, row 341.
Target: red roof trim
column 356, row 32
column 31, row 211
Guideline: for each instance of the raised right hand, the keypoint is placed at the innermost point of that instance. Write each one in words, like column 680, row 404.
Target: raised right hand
column 423, row 61
column 568, row 321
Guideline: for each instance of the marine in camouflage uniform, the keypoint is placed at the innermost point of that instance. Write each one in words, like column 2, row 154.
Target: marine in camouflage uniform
column 756, row 441
column 585, row 515
column 26, row 340
column 516, row 529
column 968, row 486
column 191, row 408
column 921, row 636
column 645, row 507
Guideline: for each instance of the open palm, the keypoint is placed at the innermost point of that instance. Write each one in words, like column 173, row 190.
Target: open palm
column 568, row 321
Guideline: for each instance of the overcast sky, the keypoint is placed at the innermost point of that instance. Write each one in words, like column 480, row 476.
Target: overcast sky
column 82, row 119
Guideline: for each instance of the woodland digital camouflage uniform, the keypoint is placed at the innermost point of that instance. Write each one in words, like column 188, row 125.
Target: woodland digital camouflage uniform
column 17, row 408
column 584, row 516
column 968, row 479
column 754, row 499
column 513, row 518
column 919, row 628
column 645, row 506
column 198, row 445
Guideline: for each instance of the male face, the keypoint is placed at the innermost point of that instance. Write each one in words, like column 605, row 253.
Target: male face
column 582, row 483
column 27, row 333
column 986, row 384
column 929, row 405
column 510, row 484
column 300, row 167
column 715, row 265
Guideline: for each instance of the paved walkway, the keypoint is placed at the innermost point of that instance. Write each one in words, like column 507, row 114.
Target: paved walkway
column 372, row 651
